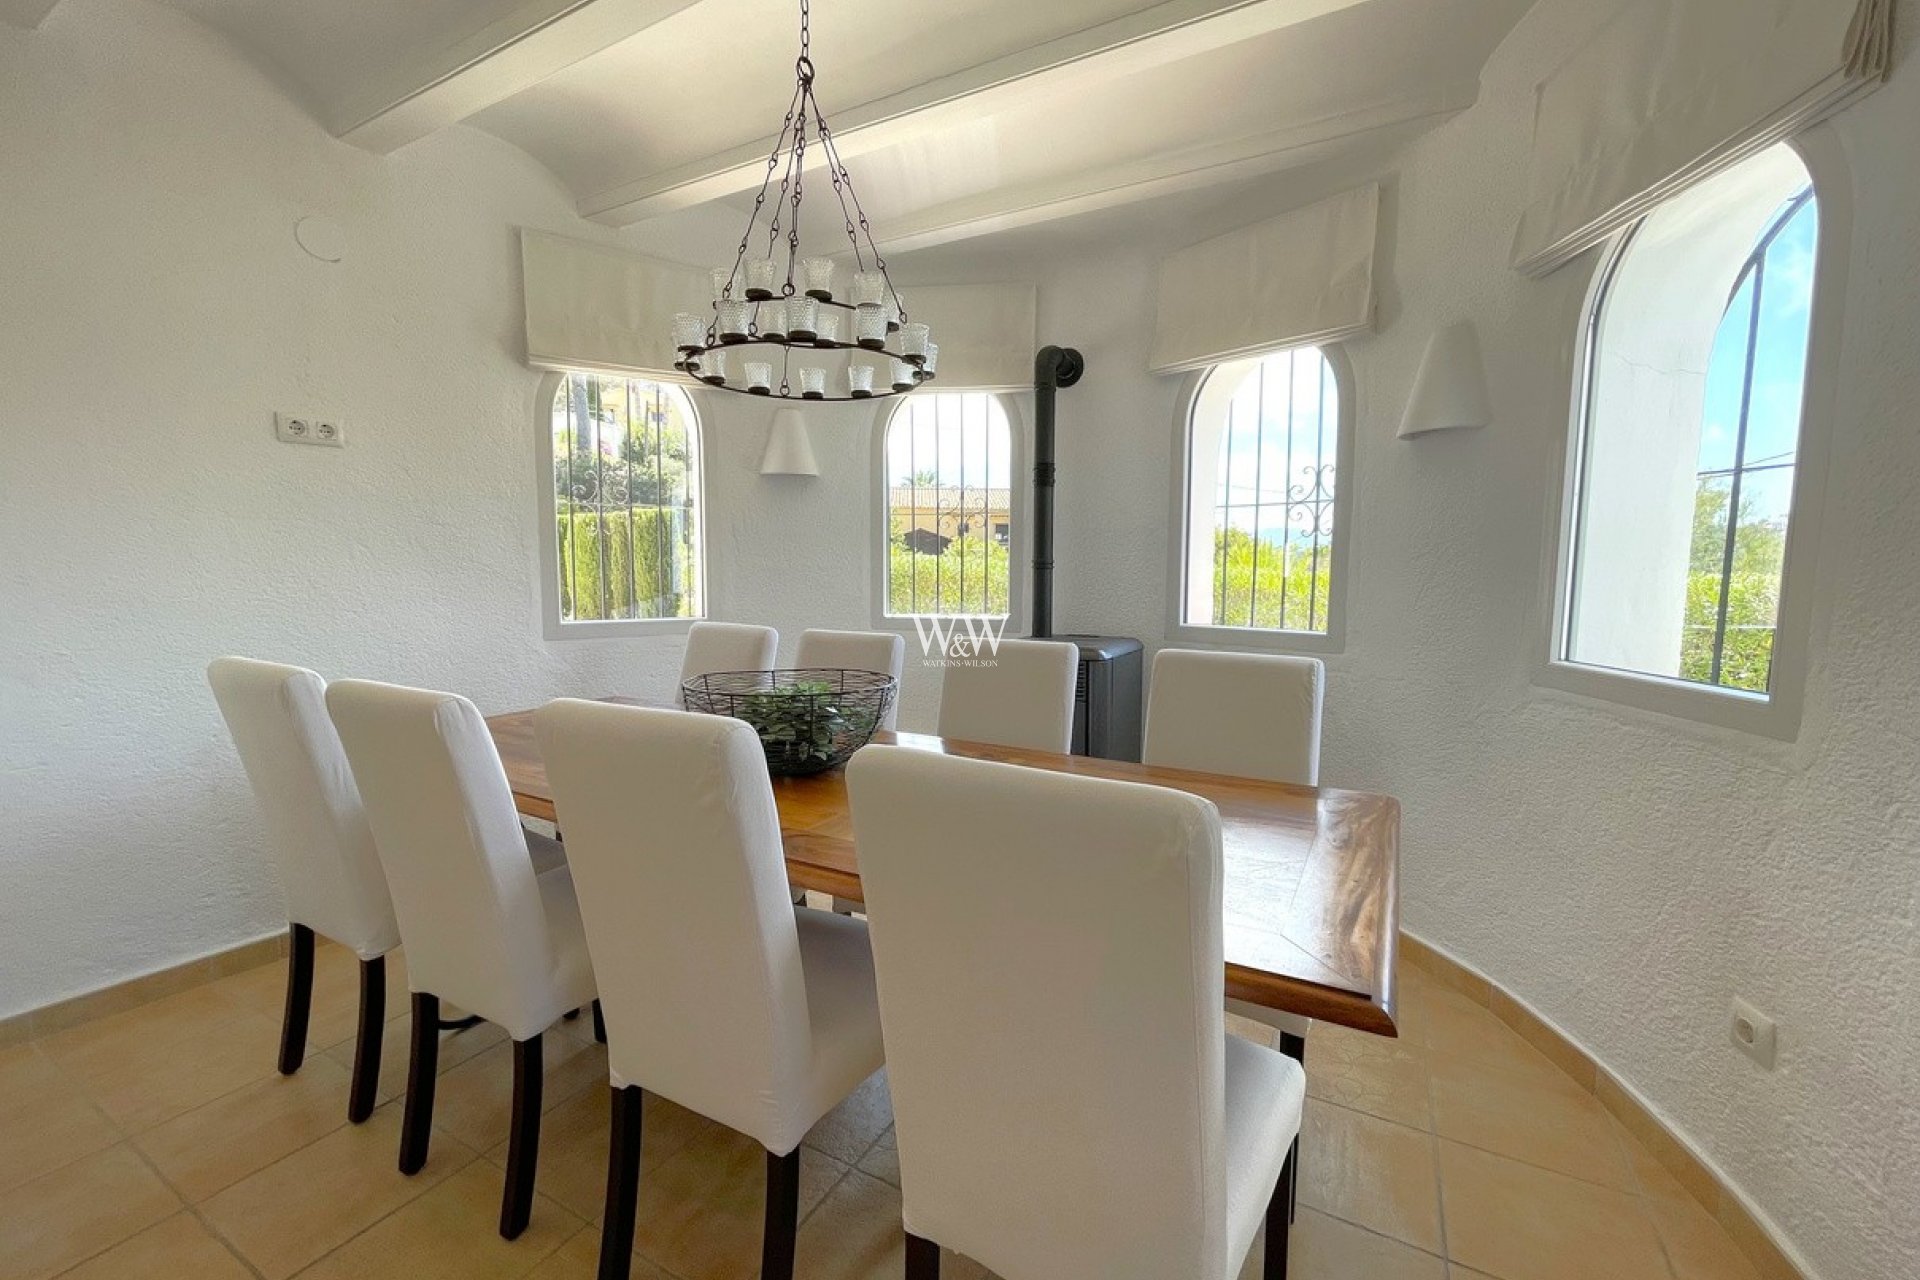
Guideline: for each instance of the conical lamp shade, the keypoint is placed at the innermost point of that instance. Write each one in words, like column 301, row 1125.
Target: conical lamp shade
column 1451, row 389
column 789, row 451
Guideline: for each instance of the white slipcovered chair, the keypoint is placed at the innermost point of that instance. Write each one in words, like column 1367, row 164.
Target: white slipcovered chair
column 1067, row 1102
column 1250, row 715
column 714, row 647
column 882, row 651
column 717, row 993
column 1022, row 696
column 486, row 908
column 319, row 836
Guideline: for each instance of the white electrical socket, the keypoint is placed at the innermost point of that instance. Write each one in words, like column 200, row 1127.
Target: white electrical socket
column 1753, row 1033
column 302, row 428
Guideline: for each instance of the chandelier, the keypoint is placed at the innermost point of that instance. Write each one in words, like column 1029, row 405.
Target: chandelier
column 776, row 319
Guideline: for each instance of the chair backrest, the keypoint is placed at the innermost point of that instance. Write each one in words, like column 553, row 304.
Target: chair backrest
column 882, row 651
column 1252, row 715
column 1048, row 953
column 674, row 842
column 315, row 824
column 727, row 646
column 1021, row 697
column 454, row 852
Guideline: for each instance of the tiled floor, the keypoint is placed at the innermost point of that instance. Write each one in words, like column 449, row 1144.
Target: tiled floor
column 160, row 1143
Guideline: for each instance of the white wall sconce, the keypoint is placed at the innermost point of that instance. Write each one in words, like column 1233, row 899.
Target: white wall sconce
column 789, row 452
column 1451, row 389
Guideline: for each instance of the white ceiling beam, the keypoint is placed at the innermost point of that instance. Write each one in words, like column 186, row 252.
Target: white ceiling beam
column 25, row 13
column 1166, row 32
column 1170, row 173
column 535, row 40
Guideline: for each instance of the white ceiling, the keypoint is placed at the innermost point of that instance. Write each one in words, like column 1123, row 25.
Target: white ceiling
column 958, row 118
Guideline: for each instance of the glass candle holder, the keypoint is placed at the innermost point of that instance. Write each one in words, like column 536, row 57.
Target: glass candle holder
column 760, row 277
column 913, row 342
column 759, row 377
column 813, row 383
column 826, row 327
column 803, row 319
column 868, row 286
column 818, row 275
column 870, row 327
column 933, row 358
column 689, row 332
column 773, row 321
column 891, row 305
column 734, row 313
column 722, row 277
column 903, row 379
column 860, row 381
column 713, row 368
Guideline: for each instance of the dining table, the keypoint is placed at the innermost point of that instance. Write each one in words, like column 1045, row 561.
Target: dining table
column 1310, row 895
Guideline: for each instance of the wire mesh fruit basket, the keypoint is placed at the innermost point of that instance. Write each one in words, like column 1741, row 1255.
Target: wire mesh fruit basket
column 809, row 719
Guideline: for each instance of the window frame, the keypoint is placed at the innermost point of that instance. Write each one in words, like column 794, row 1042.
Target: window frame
column 1019, row 501
column 1334, row 638
column 553, row 626
column 1776, row 713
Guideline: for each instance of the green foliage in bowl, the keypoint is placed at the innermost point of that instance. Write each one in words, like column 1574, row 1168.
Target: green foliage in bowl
column 803, row 725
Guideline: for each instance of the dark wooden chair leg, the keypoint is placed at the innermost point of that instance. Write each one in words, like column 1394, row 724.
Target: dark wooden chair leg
column 599, row 1023
column 623, row 1184
column 523, row 1144
column 923, row 1258
column 423, row 1071
column 366, row 1046
column 783, row 1216
column 570, row 1015
column 293, row 1027
column 1294, row 1047
column 1279, row 1218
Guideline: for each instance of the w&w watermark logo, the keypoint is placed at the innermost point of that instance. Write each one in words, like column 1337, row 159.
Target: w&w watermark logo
column 959, row 639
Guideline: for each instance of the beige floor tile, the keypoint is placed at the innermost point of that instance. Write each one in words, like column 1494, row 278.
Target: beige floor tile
column 45, row 1122
column 573, row 1147
column 180, row 1248
column 335, row 1015
column 1648, row 1172
column 1455, row 1024
column 474, row 1101
column 215, row 1145
column 849, row 1129
column 1255, row 1032
column 1382, row 1077
column 855, row 1234
column 1519, row 1222
column 1543, row 1118
column 1457, row 1272
column 456, row 1047
column 150, row 1064
column 452, row 1232
column 295, row 1210
column 700, row 1213
column 882, row 1160
column 1370, row 1172
column 78, row 1210
column 1698, row 1246
column 579, row 1259
column 1324, row 1248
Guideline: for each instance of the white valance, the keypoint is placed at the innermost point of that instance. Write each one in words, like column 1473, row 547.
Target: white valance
column 590, row 306
column 987, row 333
column 1305, row 277
column 1667, row 94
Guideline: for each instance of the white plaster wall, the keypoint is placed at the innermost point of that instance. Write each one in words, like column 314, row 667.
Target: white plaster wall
column 1624, row 872
column 154, row 312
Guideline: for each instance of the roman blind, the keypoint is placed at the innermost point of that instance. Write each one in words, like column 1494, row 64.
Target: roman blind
column 987, row 333
column 589, row 306
column 1303, row 278
column 1667, row 94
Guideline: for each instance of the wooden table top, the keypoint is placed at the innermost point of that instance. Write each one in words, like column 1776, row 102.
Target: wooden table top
column 1312, row 875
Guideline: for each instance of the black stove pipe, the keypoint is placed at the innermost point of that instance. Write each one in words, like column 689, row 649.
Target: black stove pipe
column 1053, row 368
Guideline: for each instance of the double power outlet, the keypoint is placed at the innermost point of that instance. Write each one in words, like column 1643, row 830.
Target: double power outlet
column 303, row 428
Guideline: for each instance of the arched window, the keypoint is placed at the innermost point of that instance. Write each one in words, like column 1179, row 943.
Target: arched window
column 1264, row 440
column 947, row 474
column 1689, row 441
column 627, row 501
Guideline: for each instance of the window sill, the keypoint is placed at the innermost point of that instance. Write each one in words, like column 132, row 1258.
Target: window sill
column 1255, row 638
column 1768, row 715
column 619, row 628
